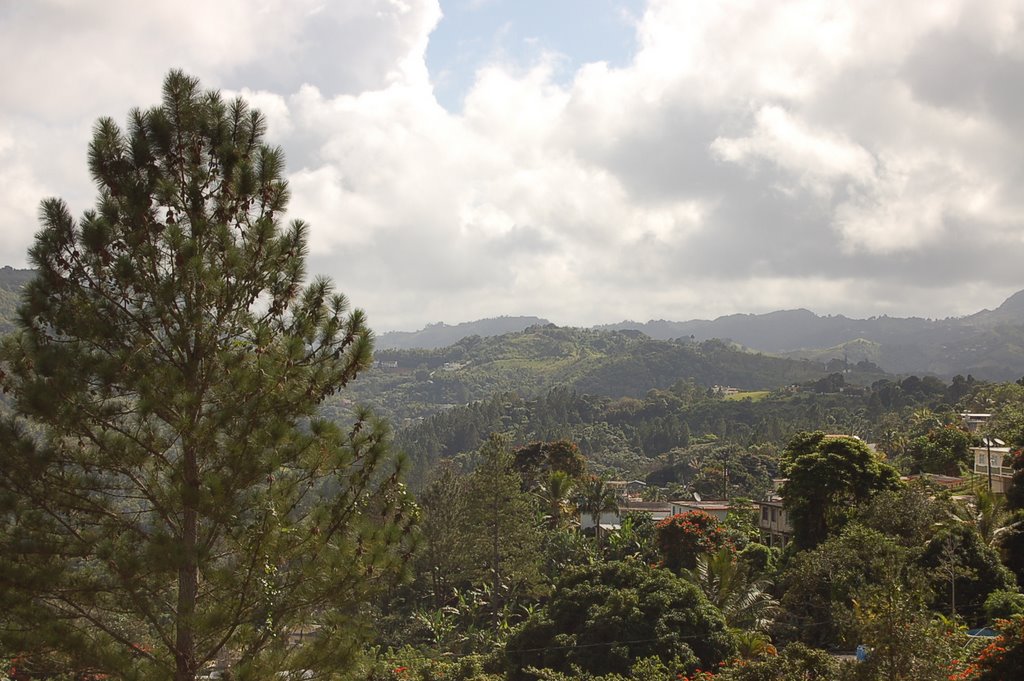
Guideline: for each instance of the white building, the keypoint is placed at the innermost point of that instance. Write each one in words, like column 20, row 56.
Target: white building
column 993, row 462
column 612, row 520
column 773, row 521
column 717, row 509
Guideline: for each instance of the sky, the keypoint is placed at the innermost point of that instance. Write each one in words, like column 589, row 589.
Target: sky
column 587, row 161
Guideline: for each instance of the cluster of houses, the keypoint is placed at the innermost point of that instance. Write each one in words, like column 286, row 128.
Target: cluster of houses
column 991, row 468
column 774, row 525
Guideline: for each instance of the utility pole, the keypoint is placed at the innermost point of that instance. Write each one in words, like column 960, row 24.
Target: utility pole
column 988, row 451
column 725, row 475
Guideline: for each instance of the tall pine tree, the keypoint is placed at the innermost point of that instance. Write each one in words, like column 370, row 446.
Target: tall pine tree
column 501, row 525
column 169, row 495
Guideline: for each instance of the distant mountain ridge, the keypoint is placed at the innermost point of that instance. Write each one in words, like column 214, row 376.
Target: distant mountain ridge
column 988, row 344
column 441, row 335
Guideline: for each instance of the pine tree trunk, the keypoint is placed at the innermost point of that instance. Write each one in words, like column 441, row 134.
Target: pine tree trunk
column 188, row 575
column 496, row 553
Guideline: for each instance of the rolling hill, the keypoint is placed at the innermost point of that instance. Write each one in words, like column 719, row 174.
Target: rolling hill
column 406, row 385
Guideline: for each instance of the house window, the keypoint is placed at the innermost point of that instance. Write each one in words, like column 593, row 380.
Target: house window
column 764, row 513
column 773, row 515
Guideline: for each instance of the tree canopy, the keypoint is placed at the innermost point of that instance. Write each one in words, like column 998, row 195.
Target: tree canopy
column 604, row 617
column 828, row 476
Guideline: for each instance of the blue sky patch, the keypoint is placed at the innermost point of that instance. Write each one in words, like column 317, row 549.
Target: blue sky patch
column 474, row 33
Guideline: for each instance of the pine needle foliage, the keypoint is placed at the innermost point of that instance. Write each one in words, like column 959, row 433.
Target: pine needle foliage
column 169, row 495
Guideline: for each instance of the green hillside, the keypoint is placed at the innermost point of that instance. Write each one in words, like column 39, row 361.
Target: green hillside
column 856, row 350
column 11, row 281
column 413, row 384
column 646, row 437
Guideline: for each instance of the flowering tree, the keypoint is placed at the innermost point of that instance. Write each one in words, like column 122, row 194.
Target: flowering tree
column 684, row 536
column 1000, row 660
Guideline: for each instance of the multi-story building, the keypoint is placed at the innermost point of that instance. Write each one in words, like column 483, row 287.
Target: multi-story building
column 774, row 523
column 993, row 463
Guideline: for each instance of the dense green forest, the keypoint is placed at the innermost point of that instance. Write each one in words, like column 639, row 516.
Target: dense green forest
column 902, row 569
column 883, row 572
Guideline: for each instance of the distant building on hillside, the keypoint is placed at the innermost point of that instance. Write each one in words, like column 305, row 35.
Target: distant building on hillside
column 774, row 524
column 946, row 481
column 718, row 509
column 993, row 463
column 628, row 490
column 611, row 521
column 974, row 422
column 773, row 521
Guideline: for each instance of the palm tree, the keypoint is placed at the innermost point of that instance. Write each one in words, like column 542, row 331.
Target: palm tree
column 596, row 498
column 924, row 420
column 894, row 443
column 554, row 495
column 743, row 601
column 991, row 516
column 751, row 645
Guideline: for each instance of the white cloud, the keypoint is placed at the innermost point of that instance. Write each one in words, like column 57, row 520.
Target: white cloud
column 19, row 192
column 753, row 154
column 818, row 159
